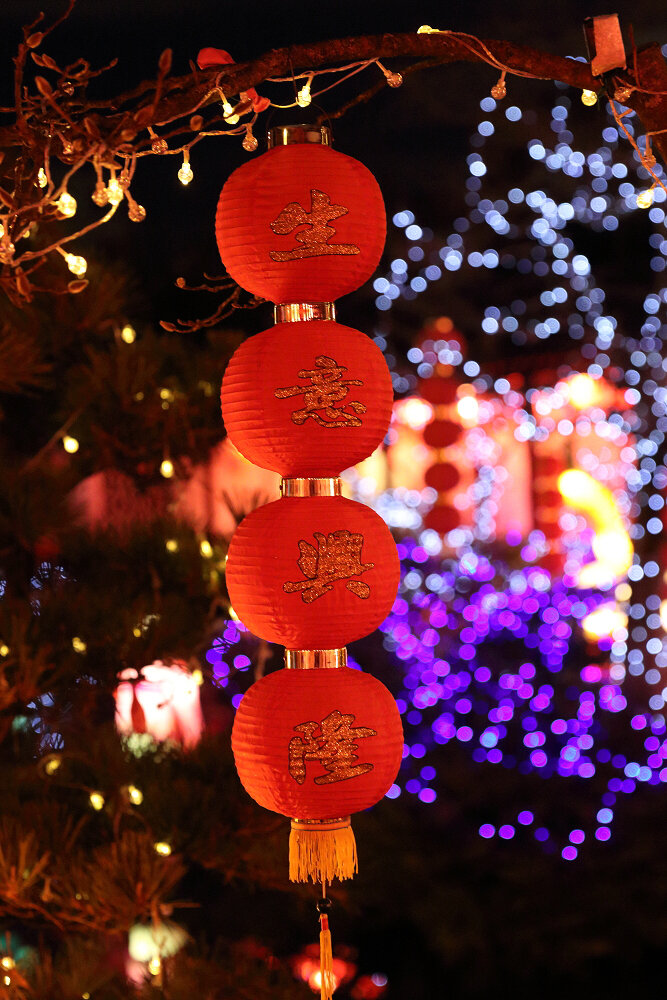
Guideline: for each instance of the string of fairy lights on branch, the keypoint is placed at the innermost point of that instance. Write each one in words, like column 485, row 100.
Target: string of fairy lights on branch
column 76, row 135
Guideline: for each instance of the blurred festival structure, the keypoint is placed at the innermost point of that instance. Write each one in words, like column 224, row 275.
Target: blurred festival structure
column 530, row 619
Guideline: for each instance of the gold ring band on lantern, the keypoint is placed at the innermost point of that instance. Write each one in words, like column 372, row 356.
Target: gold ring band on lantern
column 337, row 823
column 309, row 486
column 315, row 659
column 289, row 135
column 303, row 312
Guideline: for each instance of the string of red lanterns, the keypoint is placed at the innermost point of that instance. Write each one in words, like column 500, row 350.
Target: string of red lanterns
column 302, row 225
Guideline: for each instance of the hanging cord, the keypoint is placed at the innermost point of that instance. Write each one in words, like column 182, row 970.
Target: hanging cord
column 326, row 954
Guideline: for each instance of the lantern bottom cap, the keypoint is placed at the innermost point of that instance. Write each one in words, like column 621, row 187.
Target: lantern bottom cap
column 322, row 850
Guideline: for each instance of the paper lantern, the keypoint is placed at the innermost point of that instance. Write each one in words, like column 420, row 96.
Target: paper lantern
column 312, row 572
column 301, row 222
column 441, row 433
column 317, row 745
column 161, row 700
column 307, row 399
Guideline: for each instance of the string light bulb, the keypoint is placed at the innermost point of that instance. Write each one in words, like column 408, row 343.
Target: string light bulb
column 304, row 97
column 645, row 198
column 115, row 193
column 167, row 468
column 66, row 205
column 206, row 548
column 70, row 444
column 171, row 545
column 41, row 177
column 589, row 98
column 77, row 265
column 78, row 645
column 393, row 79
column 228, row 112
column 4, row 649
column 249, row 142
column 185, row 174
column 162, row 848
column 128, row 334
column 7, row 962
column 499, row 90
column 155, row 965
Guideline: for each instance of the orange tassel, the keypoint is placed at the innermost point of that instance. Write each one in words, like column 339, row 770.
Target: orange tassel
column 327, row 984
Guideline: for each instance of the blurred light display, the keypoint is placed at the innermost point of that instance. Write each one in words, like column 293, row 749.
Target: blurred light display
column 530, row 636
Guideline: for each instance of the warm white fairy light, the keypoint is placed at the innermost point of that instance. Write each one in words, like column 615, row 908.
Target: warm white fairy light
column 77, row 265
column 185, row 174
column 206, row 548
column 114, row 191
column 66, row 205
column 167, row 468
column 41, row 177
column 304, row 97
column 128, row 334
column 96, row 800
column 162, row 848
column 645, row 198
column 589, row 98
column 228, row 112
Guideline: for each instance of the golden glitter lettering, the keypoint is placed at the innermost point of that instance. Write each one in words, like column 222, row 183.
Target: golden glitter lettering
column 313, row 241
column 331, row 743
column 336, row 557
column 323, row 396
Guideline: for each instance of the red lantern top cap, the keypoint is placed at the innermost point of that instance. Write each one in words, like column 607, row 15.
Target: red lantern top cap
column 290, row 135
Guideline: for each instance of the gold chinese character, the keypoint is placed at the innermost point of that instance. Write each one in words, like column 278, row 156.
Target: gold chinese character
column 338, row 558
column 327, row 388
column 331, row 742
column 315, row 239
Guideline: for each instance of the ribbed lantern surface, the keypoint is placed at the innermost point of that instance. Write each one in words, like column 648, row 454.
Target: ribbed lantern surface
column 317, row 743
column 301, row 223
column 307, row 399
column 312, row 573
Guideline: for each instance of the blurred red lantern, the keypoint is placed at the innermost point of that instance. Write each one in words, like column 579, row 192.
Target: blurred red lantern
column 301, row 222
column 441, row 433
column 442, row 476
column 312, row 572
column 307, row 399
column 317, row 745
column 442, row 519
column 161, row 700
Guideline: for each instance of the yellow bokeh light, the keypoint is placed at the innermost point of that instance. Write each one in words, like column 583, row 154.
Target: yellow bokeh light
column 583, row 391
column 604, row 623
column 70, row 444
column 155, row 965
column 4, row 649
column 78, row 645
column 206, row 548
column 135, row 795
column 612, row 546
column 114, row 192
column 96, row 800
column 167, row 468
column 468, row 409
column 52, row 764
column 414, row 412
column 589, row 98
column 171, row 545
column 41, row 177
column 77, row 265
column 163, row 848
column 663, row 614
column 128, row 334
column 7, row 962
column 645, row 198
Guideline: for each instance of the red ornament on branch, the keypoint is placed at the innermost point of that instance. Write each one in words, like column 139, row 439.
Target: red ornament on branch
column 307, row 398
column 301, row 223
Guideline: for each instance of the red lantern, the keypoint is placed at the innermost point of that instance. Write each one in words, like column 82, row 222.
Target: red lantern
column 301, row 223
column 312, row 572
column 307, row 399
column 317, row 745
column 441, row 433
